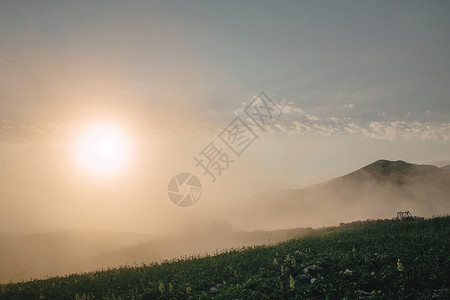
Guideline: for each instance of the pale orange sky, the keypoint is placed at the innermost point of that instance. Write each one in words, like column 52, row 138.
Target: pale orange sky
column 355, row 86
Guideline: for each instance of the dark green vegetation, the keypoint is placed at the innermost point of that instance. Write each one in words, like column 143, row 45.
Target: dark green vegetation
column 402, row 260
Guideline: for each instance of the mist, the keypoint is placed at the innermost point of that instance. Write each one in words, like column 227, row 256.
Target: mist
column 376, row 191
column 336, row 87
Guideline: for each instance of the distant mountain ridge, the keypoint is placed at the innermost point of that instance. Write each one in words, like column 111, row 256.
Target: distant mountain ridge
column 385, row 167
column 399, row 172
column 377, row 190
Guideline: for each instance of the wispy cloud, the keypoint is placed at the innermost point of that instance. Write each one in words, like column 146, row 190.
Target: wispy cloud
column 299, row 121
column 26, row 134
column 295, row 120
column 22, row 133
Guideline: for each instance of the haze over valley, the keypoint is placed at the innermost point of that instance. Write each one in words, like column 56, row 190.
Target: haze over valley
column 133, row 132
column 376, row 191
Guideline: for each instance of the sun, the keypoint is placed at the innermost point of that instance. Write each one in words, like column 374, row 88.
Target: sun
column 102, row 149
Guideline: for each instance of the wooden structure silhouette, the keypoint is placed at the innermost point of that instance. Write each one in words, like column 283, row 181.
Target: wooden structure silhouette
column 404, row 216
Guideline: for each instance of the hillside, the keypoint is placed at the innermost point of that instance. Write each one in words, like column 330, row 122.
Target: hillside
column 50, row 254
column 375, row 191
column 400, row 260
column 207, row 241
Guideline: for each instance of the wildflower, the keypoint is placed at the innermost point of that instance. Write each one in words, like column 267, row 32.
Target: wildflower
column 161, row 287
column 348, row 272
column 399, row 265
column 287, row 258
column 291, row 282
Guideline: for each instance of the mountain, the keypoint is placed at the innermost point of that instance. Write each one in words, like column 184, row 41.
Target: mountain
column 377, row 190
column 446, row 167
column 381, row 168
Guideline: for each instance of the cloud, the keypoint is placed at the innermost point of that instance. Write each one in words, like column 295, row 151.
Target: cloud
column 299, row 121
column 22, row 133
column 294, row 120
column 26, row 134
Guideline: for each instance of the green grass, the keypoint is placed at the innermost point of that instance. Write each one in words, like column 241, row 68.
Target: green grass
column 406, row 260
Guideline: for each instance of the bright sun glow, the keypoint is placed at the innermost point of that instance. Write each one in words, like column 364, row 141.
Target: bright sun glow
column 103, row 149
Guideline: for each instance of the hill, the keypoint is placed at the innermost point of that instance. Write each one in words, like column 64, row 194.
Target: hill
column 397, row 260
column 374, row 191
column 205, row 241
column 25, row 256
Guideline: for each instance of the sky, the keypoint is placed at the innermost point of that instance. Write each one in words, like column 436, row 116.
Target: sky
column 355, row 81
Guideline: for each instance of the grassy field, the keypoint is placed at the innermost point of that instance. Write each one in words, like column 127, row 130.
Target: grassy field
column 403, row 260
